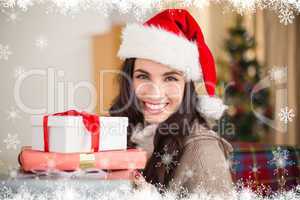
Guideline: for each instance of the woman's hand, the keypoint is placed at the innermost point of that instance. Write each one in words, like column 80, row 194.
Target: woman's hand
column 143, row 137
column 140, row 181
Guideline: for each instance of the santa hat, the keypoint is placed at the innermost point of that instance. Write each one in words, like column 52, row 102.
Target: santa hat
column 174, row 38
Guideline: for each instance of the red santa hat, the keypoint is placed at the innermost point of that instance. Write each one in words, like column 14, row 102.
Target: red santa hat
column 174, row 38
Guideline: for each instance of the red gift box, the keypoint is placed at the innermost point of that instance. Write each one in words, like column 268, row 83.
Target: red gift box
column 32, row 160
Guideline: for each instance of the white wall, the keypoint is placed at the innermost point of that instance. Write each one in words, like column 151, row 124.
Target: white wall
column 69, row 49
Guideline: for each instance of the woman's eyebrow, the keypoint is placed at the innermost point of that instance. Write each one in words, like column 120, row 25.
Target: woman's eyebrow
column 173, row 72
column 140, row 70
column 164, row 74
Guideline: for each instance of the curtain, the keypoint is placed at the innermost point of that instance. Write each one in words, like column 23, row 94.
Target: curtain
column 279, row 47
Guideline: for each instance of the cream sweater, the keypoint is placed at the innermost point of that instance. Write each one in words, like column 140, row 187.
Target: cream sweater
column 204, row 164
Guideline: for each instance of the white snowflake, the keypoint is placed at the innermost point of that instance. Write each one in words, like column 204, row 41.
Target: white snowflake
column 254, row 169
column 286, row 8
column 7, row 3
column 11, row 15
column 281, row 182
column 189, row 172
column 200, row 3
column 167, row 159
column 297, row 6
column 125, row 189
column 278, row 73
column 6, row 192
column 280, row 160
column 12, row 141
column 41, row 42
column 243, row 6
column 286, row 115
column 4, row 52
column 279, row 5
column 24, row 4
column 286, row 16
column 13, row 113
column 187, row 3
column 124, row 6
column 19, row 71
column 13, row 172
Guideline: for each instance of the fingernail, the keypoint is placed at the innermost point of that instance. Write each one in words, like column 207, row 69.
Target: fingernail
column 136, row 174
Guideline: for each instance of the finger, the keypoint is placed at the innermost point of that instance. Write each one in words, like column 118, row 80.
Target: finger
column 138, row 177
column 149, row 130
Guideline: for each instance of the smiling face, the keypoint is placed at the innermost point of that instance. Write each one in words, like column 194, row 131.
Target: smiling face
column 158, row 88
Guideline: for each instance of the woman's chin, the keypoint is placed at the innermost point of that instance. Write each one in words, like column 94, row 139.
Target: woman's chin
column 153, row 121
column 155, row 118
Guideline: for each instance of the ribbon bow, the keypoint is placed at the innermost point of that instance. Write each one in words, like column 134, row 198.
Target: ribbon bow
column 90, row 121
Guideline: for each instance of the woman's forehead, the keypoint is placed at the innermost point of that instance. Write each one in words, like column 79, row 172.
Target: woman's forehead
column 153, row 67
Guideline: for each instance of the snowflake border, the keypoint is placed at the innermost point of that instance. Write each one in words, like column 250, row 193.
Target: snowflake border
column 286, row 9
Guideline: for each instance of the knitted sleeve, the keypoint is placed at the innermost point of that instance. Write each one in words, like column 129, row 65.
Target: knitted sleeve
column 203, row 167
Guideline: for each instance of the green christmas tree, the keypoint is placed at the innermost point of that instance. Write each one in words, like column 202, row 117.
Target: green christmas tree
column 238, row 76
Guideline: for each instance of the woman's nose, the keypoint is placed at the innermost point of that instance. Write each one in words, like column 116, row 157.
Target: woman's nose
column 153, row 90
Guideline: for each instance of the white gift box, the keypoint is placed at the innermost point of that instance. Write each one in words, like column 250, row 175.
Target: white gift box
column 68, row 134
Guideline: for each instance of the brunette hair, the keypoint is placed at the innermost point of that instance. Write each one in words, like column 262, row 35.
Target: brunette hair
column 166, row 142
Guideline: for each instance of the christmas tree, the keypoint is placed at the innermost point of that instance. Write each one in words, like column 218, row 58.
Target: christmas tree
column 237, row 77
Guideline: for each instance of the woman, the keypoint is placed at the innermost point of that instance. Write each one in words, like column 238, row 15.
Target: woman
column 164, row 58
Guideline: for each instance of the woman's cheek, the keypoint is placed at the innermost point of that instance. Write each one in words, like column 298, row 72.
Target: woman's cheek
column 174, row 91
column 139, row 87
column 141, row 92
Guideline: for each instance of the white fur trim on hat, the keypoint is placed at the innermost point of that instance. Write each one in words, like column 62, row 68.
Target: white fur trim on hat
column 211, row 107
column 160, row 45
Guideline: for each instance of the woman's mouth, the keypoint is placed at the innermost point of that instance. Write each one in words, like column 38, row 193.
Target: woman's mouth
column 154, row 108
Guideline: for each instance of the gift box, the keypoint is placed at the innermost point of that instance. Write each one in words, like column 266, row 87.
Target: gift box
column 76, row 132
column 34, row 161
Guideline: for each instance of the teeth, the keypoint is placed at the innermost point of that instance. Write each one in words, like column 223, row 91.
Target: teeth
column 155, row 106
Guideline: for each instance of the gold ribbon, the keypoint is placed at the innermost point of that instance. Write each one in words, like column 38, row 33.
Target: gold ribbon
column 87, row 160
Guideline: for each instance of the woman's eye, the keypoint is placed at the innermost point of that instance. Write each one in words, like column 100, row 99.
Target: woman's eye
column 171, row 78
column 141, row 76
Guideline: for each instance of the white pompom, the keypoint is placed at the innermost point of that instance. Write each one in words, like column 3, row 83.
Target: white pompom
column 211, row 107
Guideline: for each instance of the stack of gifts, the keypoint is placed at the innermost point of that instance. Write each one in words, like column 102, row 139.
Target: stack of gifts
column 73, row 140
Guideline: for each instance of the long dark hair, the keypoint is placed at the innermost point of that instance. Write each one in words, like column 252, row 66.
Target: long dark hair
column 166, row 142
